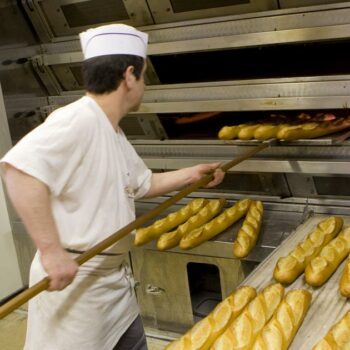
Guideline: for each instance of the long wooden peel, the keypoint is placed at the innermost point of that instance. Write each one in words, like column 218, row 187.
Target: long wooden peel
column 29, row 293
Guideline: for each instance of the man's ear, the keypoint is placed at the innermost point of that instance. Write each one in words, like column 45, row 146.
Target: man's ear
column 129, row 76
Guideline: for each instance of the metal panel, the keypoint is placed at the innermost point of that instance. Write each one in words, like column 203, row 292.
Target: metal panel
column 273, row 166
column 264, row 94
column 14, row 29
column 301, row 3
column 7, row 237
column 163, row 288
column 271, row 28
column 178, row 10
column 58, row 18
column 24, row 114
column 301, row 185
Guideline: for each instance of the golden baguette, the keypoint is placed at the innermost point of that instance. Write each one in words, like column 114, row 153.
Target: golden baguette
column 249, row 232
column 311, row 130
column 281, row 329
column 146, row 234
column 323, row 266
column 203, row 334
column 230, row 132
column 268, row 131
column 338, row 337
column 242, row 332
column 288, row 268
column 344, row 283
column 171, row 239
column 247, row 132
column 215, row 226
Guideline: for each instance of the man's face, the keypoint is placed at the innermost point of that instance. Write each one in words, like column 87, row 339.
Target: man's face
column 139, row 90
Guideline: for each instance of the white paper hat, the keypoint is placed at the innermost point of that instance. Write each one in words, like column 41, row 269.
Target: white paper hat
column 113, row 39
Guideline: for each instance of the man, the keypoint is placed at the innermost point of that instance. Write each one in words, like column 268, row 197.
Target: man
column 73, row 181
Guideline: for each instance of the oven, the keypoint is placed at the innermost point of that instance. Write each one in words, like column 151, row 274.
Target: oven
column 252, row 60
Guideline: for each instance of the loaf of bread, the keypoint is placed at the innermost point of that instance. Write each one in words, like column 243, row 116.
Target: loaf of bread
column 293, row 265
column 146, row 234
column 268, row 131
column 230, row 132
column 248, row 233
column 171, row 239
column 242, row 332
column 323, row 266
column 338, row 337
column 215, row 226
column 311, row 130
column 203, row 334
column 280, row 331
column 344, row 283
column 247, row 131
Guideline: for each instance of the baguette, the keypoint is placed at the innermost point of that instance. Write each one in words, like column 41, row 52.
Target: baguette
column 203, row 334
column 146, row 234
column 268, row 131
column 171, row 239
column 247, row 131
column 230, row 132
column 338, row 337
column 248, row 234
column 293, row 265
column 242, row 332
column 281, row 329
column 344, row 283
column 311, row 130
column 323, row 266
column 215, row 226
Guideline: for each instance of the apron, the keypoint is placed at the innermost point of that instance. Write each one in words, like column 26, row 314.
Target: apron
column 92, row 313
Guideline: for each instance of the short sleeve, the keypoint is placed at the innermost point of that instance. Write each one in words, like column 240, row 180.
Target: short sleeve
column 51, row 152
column 141, row 173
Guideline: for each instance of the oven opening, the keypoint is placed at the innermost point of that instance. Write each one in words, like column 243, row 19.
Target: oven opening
column 205, row 288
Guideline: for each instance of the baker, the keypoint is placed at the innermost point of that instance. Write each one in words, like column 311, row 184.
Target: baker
column 73, row 181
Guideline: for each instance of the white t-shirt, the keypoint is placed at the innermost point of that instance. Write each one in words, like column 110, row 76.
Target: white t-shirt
column 92, row 171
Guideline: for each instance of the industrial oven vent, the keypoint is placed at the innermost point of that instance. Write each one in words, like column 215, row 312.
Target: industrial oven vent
column 81, row 14
column 185, row 5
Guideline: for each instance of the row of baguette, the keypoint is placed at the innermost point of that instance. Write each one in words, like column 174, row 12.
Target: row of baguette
column 267, row 321
column 200, row 221
column 318, row 256
column 282, row 131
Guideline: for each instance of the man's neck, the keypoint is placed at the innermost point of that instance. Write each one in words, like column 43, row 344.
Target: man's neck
column 112, row 105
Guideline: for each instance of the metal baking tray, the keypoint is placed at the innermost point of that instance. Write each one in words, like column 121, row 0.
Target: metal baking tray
column 327, row 307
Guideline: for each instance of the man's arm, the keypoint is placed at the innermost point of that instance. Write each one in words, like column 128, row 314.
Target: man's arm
column 31, row 199
column 162, row 183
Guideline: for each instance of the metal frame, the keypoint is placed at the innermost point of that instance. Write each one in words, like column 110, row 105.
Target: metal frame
column 163, row 11
column 46, row 75
column 247, row 95
column 49, row 21
column 273, row 27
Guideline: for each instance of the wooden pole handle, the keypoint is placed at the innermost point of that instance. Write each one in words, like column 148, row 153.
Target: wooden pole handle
column 31, row 292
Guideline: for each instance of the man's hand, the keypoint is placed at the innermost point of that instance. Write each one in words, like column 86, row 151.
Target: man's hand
column 203, row 169
column 60, row 267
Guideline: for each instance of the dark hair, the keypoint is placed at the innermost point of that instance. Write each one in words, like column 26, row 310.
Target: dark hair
column 104, row 74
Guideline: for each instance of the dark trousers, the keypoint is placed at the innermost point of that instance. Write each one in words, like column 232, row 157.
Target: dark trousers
column 134, row 338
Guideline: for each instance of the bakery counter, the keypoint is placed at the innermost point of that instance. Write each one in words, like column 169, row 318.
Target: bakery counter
column 327, row 304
